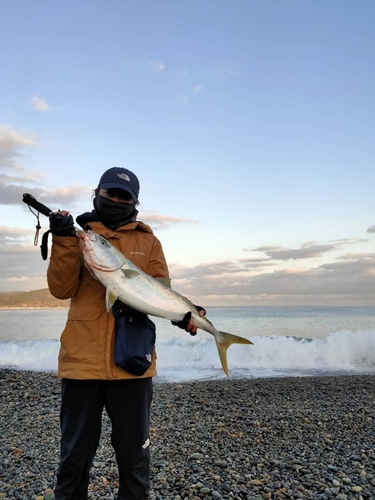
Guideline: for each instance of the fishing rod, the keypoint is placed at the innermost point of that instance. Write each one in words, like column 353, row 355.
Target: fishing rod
column 32, row 202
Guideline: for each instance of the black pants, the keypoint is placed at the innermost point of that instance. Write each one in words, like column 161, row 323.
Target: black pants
column 127, row 403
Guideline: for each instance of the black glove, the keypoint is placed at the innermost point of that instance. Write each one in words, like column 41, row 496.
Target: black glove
column 61, row 225
column 185, row 321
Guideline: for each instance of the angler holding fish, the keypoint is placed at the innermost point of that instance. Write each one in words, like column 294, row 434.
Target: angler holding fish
column 93, row 337
column 115, row 274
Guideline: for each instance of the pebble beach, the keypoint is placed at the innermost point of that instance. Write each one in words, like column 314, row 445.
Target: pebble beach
column 253, row 439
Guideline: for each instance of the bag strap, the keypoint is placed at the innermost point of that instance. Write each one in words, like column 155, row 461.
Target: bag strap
column 44, row 245
column 120, row 309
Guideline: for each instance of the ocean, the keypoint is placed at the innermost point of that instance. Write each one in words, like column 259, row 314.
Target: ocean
column 288, row 341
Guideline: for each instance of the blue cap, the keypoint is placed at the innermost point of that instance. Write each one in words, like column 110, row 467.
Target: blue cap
column 120, row 178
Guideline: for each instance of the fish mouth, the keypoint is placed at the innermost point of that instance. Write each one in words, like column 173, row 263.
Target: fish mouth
column 86, row 234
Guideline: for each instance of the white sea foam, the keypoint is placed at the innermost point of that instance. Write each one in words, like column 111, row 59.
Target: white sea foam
column 182, row 358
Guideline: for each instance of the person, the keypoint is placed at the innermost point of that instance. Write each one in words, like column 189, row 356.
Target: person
column 91, row 380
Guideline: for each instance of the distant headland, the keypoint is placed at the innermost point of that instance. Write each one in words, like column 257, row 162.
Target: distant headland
column 33, row 299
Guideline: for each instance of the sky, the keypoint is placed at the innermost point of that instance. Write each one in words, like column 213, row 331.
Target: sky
column 250, row 125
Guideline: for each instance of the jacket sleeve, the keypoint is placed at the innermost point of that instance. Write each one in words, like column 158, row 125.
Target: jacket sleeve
column 63, row 273
column 157, row 266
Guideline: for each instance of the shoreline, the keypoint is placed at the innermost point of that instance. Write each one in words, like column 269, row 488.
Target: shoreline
column 292, row 437
column 286, row 306
column 33, row 307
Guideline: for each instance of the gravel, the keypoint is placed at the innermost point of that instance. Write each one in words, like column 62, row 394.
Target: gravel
column 252, row 439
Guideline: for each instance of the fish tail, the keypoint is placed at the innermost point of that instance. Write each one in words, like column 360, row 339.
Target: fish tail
column 222, row 345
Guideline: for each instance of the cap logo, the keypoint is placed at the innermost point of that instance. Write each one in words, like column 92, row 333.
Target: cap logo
column 124, row 176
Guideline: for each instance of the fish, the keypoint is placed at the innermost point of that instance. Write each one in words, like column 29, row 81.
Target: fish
column 125, row 281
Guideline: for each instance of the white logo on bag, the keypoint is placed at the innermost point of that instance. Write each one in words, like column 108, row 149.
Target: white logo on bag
column 147, row 443
column 149, row 357
column 124, row 176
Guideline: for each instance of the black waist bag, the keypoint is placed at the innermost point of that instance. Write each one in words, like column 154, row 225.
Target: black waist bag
column 134, row 341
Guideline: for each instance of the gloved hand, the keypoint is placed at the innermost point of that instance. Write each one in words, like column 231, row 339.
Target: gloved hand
column 61, row 224
column 184, row 323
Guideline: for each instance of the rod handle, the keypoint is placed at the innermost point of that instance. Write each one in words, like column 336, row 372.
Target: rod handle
column 32, row 202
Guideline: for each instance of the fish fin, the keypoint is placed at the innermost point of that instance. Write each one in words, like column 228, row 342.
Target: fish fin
column 227, row 340
column 110, row 299
column 130, row 273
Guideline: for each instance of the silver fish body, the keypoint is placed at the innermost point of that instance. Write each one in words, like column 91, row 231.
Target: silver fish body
column 123, row 280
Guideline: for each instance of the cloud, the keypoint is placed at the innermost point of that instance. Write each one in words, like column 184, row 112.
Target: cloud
column 356, row 256
column 20, row 259
column 371, row 229
column 15, row 180
column 61, row 198
column 351, row 281
column 307, row 251
column 221, row 269
column 348, row 278
column 227, row 70
column 350, row 241
column 54, row 198
column 11, row 145
column 182, row 99
column 158, row 221
column 157, row 66
column 336, row 278
column 198, row 88
column 21, row 264
column 40, row 104
column 183, row 73
column 9, row 235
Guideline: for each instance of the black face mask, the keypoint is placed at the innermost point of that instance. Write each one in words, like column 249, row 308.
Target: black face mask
column 114, row 214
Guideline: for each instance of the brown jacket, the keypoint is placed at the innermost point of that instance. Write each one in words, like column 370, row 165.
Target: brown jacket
column 87, row 342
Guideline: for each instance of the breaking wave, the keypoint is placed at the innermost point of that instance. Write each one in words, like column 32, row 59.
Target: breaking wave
column 182, row 357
